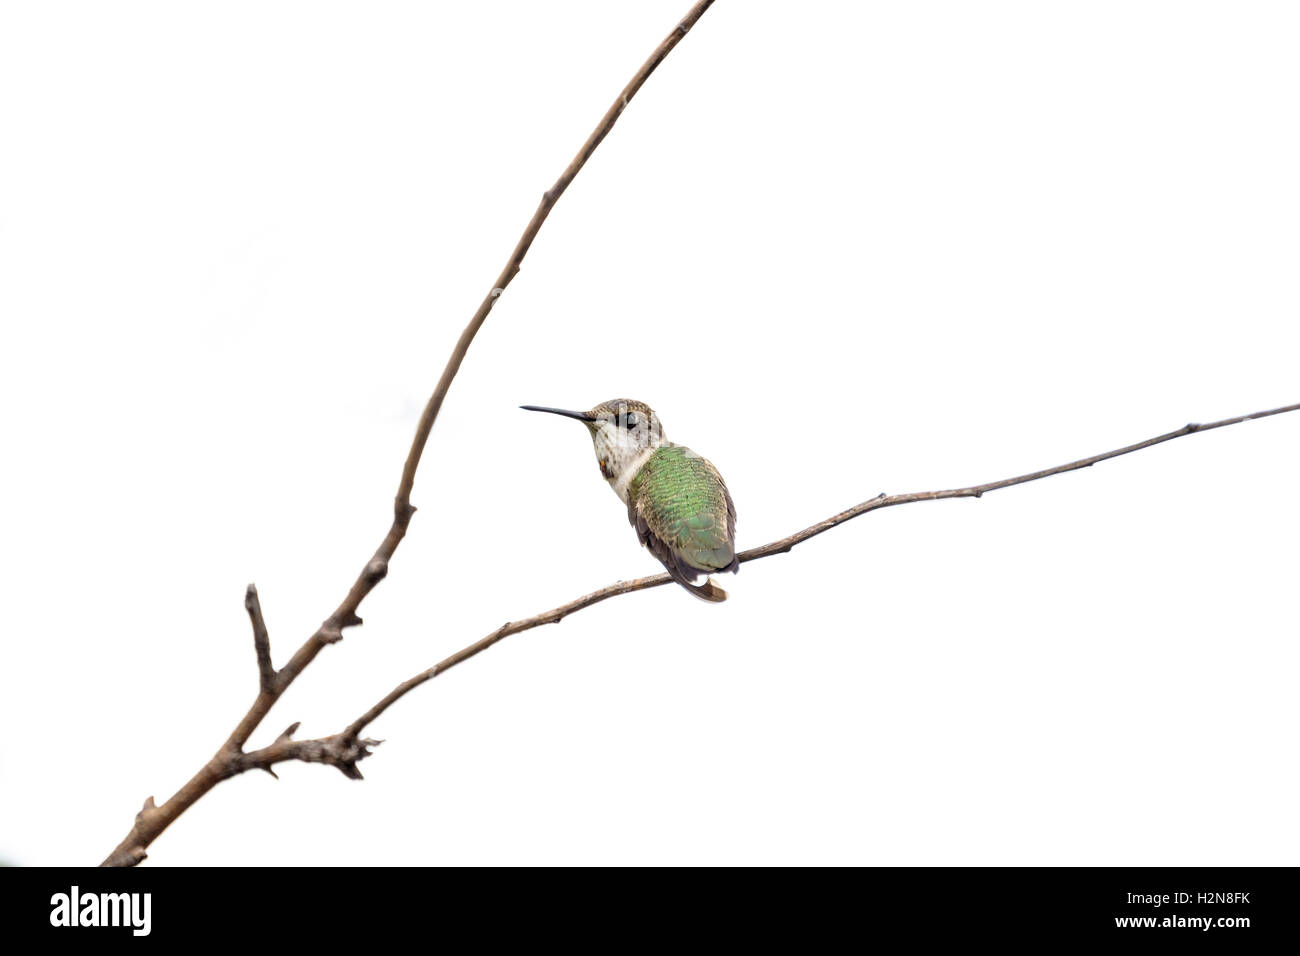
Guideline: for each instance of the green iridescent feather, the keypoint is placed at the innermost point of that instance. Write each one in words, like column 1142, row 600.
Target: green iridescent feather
column 683, row 512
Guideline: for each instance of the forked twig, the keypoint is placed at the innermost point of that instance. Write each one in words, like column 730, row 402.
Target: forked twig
column 348, row 740
column 347, row 748
column 230, row 759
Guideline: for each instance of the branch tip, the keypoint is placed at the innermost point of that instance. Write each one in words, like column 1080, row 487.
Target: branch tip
column 267, row 677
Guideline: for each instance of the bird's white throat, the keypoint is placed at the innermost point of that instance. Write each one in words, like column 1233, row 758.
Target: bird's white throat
column 622, row 453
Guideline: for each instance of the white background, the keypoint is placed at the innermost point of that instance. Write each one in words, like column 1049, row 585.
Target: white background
column 843, row 248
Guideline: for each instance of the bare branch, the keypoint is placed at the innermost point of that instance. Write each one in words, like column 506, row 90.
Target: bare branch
column 377, row 568
column 261, row 640
column 976, row 491
column 782, row 546
column 346, row 749
column 230, row 759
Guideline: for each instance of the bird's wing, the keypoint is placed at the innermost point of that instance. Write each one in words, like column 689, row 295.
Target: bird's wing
column 683, row 513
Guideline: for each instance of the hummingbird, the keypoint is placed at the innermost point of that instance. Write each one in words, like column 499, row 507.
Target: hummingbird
column 676, row 500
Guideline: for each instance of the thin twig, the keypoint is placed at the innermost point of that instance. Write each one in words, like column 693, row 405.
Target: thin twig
column 261, row 641
column 781, row 546
column 230, row 759
column 975, row 491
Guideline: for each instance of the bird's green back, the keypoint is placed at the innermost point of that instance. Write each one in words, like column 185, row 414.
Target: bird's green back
column 680, row 499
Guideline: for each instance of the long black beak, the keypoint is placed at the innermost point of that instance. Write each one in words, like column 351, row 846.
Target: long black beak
column 580, row 416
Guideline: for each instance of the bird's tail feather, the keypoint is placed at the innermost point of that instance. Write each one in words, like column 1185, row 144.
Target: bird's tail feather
column 708, row 591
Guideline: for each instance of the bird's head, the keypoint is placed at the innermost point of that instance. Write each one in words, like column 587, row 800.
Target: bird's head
column 623, row 433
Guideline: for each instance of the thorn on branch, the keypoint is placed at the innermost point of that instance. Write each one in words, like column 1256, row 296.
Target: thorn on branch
column 268, row 769
column 148, row 808
column 289, row 732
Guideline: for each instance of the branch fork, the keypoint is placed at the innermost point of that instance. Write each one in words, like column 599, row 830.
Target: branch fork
column 346, row 749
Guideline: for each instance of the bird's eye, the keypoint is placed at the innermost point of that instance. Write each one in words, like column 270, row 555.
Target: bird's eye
column 630, row 420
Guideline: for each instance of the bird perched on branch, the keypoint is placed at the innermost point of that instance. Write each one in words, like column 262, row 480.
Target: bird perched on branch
column 675, row 499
